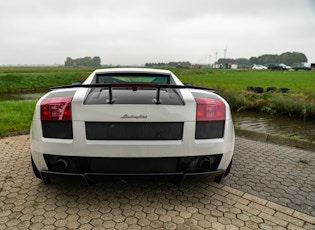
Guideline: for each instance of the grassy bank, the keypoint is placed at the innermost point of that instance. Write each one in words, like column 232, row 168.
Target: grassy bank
column 16, row 115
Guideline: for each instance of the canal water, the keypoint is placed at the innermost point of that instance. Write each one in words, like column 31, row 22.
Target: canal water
column 275, row 124
column 255, row 121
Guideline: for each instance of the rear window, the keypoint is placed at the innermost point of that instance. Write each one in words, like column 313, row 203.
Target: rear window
column 132, row 78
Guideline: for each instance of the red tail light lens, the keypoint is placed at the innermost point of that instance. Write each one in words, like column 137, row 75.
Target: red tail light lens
column 58, row 108
column 209, row 109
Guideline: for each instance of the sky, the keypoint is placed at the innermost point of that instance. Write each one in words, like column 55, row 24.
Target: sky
column 46, row 32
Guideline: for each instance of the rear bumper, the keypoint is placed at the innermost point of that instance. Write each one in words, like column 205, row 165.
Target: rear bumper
column 88, row 168
column 89, row 178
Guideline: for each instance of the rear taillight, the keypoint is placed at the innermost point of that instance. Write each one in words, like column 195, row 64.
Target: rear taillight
column 210, row 109
column 58, row 108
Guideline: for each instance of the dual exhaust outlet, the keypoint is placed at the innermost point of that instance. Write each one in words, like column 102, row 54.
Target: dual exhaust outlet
column 202, row 163
column 62, row 164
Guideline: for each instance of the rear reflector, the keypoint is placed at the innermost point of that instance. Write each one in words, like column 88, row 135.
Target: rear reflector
column 58, row 108
column 209, row 109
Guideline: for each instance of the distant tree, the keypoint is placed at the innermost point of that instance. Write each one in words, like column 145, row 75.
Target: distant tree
column 242, row 61
column 170, row 64
column 86, row 61
column 290, row 58
column 69, row 61
column 96, row 61
column 253, row 60
column 184, row 64
column 268, row 59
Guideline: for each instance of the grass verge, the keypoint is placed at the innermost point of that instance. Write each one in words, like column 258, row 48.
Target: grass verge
column 16, row 115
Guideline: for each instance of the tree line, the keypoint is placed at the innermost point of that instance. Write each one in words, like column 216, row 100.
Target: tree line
column 86, row 61
column 169, row 64
column 288, row 58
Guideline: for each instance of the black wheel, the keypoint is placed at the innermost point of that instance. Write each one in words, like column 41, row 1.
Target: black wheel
column 258, row 89
column 35, row 170
column 284, row 90
column 271, row 89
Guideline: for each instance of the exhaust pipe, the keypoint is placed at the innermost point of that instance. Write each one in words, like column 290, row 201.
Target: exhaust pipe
column 204, row 163
column 62, row 164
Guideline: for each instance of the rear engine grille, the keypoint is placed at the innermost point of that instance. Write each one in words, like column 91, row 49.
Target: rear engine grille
column 134, row 130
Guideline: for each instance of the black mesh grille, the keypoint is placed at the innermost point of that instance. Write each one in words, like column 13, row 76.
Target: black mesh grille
column 134, row 130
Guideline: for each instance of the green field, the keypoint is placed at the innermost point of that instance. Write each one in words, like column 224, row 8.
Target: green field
column 30, row 78
column 14, row 79
column 297, row 81
column 230, row 84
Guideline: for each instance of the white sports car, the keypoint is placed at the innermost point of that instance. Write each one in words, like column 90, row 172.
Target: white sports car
column 131, row 121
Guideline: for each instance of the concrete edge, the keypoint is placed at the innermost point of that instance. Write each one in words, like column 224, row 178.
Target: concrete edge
column 275, row 139
column 15, row 133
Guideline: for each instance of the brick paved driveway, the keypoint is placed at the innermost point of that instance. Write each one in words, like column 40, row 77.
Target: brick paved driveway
column 281, row 174
column 26, row 203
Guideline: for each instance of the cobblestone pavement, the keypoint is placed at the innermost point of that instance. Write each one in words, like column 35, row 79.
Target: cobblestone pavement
column 26, row 203
column 281, row 174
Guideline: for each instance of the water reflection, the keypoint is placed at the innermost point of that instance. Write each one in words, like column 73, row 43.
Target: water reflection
column 275, row 124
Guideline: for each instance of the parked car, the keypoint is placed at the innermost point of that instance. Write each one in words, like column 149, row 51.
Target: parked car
column 275, row 67
column 131, row 121
column 259, row 67
column 301, row 66
column 285, row 67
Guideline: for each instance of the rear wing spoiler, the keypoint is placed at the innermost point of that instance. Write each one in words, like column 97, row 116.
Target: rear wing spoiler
column 134, row 87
